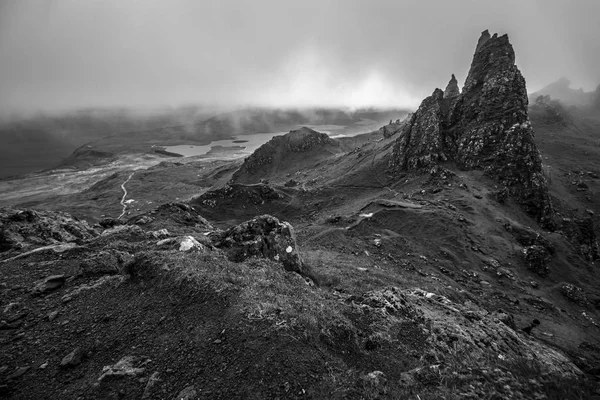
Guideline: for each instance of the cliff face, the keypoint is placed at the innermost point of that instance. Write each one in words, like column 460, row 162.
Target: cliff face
column 484, row 127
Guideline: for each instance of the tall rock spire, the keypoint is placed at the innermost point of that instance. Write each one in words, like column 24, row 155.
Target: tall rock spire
column 484, row 127
column 452, row 88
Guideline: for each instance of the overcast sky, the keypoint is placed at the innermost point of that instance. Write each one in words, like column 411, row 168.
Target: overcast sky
column 62, row 54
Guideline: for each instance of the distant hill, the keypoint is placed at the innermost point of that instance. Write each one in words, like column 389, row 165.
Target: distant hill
column 42, row 142
column 286, row 154
column 561, row 90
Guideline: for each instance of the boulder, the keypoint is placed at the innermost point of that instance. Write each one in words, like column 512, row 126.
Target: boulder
column 263, row 236
column 123, row 368
column 72, row 359
column 49, row 284
column 537, row 257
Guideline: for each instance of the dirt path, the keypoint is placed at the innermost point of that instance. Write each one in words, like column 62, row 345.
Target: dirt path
column 125, row 195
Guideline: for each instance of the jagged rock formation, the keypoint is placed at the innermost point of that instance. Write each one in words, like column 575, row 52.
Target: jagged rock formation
column 27, row 229
column 485, row 127
column 395, row 126
column 263, row 236
column 284, row 151
column 452, row 89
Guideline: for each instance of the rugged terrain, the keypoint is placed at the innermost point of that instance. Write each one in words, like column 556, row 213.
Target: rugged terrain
column 451, row 255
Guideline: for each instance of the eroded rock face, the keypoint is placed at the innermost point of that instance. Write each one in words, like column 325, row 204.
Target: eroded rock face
column 452, row 89
column 26, row 229
column 173, row 215
column 484, row 127
column 263, row 236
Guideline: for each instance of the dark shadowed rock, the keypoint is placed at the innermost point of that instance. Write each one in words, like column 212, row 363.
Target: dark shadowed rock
column 537, row 257
column 574, row 293
column 263, row 236
column 485, row 127
column 452, row 89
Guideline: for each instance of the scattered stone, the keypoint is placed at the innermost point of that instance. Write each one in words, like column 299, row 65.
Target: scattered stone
column 530, row 327
column 165, row 242
column 189, row 393
column 72, row 359
column 106, row 263
column 109, row 222
column 188, row 243
column 377, row 242
column 4, row 326
column 44, row 365
column 18, row 373
column 113, row 279
column 537, row 258
column 121, row 369
column 375, row 382
column 574, row 293
column 52, row 316
column 49, row 284
column 159, row 233
column 152, row 381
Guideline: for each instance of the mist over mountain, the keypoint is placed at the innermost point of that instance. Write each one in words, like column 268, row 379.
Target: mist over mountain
column 71, row 55
column 562, row 91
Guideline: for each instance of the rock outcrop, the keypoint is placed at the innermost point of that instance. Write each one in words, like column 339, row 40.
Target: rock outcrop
column 287, row 151
column 452, row 89
column 484, row 127
column 395, row 127
column 179, row 217
column 27, row 229
column 263, row 236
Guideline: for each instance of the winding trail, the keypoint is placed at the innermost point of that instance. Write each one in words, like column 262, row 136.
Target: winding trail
column 124, row 195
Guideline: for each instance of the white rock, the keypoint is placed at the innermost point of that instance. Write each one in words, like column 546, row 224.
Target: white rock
column 188, row 243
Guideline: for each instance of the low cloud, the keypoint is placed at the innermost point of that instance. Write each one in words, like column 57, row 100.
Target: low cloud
column 60, row 55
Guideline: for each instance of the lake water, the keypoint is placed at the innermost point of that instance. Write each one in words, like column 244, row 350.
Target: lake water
column 243, row 145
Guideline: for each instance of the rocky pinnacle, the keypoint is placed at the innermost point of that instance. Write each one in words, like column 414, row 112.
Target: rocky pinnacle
column 452, row 88
column 484, row 127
